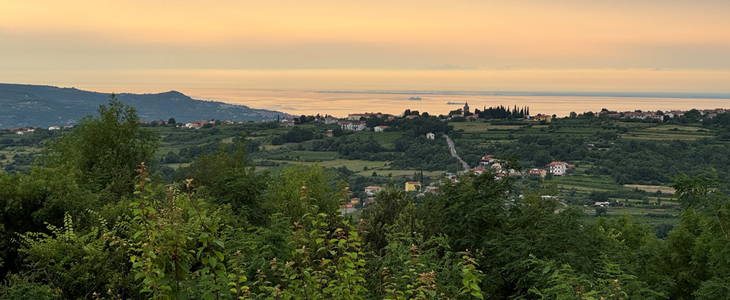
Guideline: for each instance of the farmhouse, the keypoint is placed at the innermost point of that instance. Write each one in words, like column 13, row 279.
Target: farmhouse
column 194, row 125
column 330, row 120
column 538, row 172
column 413, row 186
column 430, row 136
column 541, row 117
column 359, row 126
column 380, row 128
column 287, row 122
column 372, row 190
column 558, row 168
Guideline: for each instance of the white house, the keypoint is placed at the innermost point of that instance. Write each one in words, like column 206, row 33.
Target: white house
column 380, row 128
column 54, row 128
column 372, row 190
column 430, row 136
column 192, row 125
column 558, row 168
column 287, row 122
column 358, row 126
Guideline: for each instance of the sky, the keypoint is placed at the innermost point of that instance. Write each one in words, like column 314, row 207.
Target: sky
column 533, row 43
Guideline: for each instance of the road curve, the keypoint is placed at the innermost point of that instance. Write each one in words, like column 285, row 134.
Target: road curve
column 453, row 152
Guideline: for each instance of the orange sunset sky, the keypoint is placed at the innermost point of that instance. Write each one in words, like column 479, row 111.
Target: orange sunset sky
column 646, row 45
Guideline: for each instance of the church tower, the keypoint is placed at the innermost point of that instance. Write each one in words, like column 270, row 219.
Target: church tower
column 466, row 109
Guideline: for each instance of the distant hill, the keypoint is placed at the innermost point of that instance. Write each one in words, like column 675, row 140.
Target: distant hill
column 44, row 106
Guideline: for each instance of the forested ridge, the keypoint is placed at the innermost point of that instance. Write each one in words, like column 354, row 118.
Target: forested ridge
column 92, row 220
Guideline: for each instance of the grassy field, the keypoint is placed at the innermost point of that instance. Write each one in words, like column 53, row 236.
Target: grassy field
column 309, row 156
column 652, row 188
column 352, row 165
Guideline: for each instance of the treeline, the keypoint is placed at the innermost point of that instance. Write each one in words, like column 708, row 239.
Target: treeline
column 500, row 112
column 189, row 154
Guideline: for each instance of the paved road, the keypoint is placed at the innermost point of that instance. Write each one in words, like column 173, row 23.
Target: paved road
column 453, row 153
column 561, row 209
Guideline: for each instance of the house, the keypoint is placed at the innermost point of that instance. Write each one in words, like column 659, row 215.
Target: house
column 287, row 122
column 356, row 117
column 54, row 128
column 380, row 128
column 558, row 168
column 487, row 160
column 472, row 118
column 227, row 122
column 194, row 125
column 601, row 204
column 430, row 136
column 413, row 186
column 144, row 122
column 541, row 117
column 359, row 126
column 372, row 190
column 330, row 120
column 329, row 133
column 411, row 117
column 368, row 200
column 21, row 132
column 635, row 115
column 31, row 129
column 538, row 172
column 345, row 125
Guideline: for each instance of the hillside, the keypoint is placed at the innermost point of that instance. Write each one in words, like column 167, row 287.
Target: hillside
column 36, row 105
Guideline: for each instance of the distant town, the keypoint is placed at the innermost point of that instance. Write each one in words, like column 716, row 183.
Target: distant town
column 358, row 121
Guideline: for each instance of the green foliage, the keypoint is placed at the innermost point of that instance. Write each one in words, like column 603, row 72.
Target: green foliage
column 30, row 201
column 106, row 149
column 300, row 190
column 176, row 247
column 77, row 265
column 230, row 178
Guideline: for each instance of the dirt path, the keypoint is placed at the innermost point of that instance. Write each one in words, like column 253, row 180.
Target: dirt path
column 453, row 153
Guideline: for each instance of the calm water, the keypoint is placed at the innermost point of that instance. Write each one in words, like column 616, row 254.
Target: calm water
column 340, row 104
column 294, row 91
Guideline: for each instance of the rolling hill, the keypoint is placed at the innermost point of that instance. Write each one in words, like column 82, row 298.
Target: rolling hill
column 43, row 106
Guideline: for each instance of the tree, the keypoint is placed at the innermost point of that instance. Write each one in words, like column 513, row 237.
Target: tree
column 105, row 149
column 300, row 189
column 171, row 121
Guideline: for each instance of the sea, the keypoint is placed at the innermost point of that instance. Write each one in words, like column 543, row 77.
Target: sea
column 341, row 92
